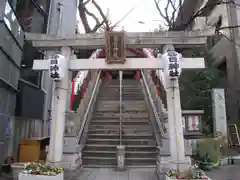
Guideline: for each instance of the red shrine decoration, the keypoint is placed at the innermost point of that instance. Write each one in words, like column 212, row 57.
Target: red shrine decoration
column 83, row 87
column 72, row 95
column 138, row 52
column 138, row 75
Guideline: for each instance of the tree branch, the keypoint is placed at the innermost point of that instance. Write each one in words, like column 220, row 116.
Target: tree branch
column 92, row 15
column 159, row 10
column 82, row 14
column 105, row 20
column 86, row 2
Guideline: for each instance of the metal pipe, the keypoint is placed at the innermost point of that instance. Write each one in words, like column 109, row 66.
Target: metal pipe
column 120, row 110
column 60, row 8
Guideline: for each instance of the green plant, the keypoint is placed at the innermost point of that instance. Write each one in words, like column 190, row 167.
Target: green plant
column 190, row 174
column 40, row 169
column 196, row 88
column 208, row 150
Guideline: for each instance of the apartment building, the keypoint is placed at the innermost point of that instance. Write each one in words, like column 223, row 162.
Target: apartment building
column 22, row 90
column 223, row 47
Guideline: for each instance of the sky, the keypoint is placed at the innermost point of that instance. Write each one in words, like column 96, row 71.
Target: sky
column 144, row 11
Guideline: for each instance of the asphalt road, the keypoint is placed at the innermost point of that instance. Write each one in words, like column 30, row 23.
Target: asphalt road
column 228, row 172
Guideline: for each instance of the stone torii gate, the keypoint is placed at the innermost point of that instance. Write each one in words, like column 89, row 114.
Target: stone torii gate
column 116, row 60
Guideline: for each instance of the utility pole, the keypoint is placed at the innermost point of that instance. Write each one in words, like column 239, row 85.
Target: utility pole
column 63, row 22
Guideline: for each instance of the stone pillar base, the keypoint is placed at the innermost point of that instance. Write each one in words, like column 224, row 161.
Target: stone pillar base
column 164, row 163
column 72, row 161
column 120, row 157
column 72, row 154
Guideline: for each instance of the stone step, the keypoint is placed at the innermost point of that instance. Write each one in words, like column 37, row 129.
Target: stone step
column 116, row 108
column 150, row 161
column 124, row 109
column 117, row 123
column 125, row 115
column 124, row 84
column 126, row 105
column 117, row 120
column 124, row 141
column 124, row 127
column 125, row 135
column 123, row 98
column 141, row 102
column 130, row 154
column 114, row 166
column 104, row 130
column 112, row 161
column 113, row 147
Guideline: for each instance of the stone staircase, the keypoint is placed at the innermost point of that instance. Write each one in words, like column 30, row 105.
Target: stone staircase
column 103, row 134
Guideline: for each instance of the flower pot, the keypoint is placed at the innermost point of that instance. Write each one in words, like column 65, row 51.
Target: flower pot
column 207, row 166
column 22, row 176
column 223, row 161
column 169, row 178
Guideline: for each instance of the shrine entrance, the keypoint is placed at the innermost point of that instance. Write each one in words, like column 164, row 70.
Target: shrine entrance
column 169, row 62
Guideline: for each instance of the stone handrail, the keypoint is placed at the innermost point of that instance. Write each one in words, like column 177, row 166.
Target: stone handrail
column 89, row 104
column 152, row 104
column 75, row 120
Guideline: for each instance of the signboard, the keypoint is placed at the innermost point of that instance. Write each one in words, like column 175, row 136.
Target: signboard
column 115, row 47
column 219, row 112
column 172, row 59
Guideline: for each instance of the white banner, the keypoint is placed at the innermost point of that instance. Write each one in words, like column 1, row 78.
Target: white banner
column 172, row 61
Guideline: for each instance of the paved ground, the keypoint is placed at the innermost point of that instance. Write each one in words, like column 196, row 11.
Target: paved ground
column 111, row 174
column 229, row 172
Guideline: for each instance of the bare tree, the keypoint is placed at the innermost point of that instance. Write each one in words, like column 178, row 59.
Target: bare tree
column 84, row 13
column 101, row 25
column 174, row 8
column 170, row 12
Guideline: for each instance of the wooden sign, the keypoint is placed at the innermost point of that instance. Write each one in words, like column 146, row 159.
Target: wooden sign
column 115, row 47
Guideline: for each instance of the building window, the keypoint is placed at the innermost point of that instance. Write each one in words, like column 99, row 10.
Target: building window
column 12, row 22
column 26, row 71
column 31, row 16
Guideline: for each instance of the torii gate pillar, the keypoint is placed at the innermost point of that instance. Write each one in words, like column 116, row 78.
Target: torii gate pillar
column 64, row 12
column 175, row 131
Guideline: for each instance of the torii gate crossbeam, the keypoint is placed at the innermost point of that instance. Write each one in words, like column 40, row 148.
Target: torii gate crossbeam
column 130, row 64
column 133, row 39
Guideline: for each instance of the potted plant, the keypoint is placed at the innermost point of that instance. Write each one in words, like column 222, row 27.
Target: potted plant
column 208, row 153
column 206, row 163
column 191, row 174
column 39, row 171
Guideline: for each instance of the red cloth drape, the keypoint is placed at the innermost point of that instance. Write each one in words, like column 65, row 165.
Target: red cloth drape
column 158, row 91
column 83, row 87
column 138, row 75
column 72, row 95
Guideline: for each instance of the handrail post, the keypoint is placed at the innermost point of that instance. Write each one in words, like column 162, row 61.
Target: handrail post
column 120, row 147
column 120, row 105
